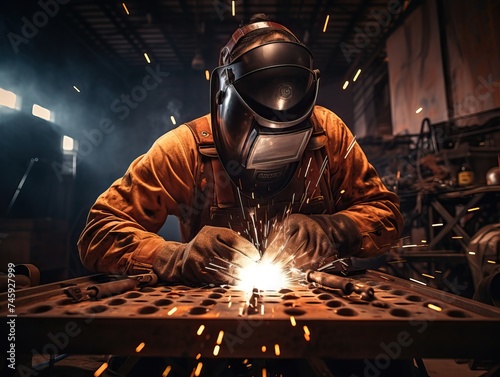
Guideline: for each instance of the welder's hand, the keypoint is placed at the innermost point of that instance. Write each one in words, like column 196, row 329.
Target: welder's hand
column 299, row 242
column 308, row 242
column 215, row 255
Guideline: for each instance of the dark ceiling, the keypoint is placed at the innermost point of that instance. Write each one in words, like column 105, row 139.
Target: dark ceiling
column 172, row 32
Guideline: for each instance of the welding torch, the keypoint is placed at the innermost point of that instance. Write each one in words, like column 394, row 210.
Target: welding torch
column 111, row 288
column 338, row 282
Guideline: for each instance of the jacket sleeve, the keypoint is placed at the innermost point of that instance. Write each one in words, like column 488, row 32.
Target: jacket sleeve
column 120, row 234
column 365, row 208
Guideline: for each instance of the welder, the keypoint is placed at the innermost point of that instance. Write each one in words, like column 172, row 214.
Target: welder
column 267, row 171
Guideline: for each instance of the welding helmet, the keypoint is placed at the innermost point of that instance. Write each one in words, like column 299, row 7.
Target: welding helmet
column 261, row 102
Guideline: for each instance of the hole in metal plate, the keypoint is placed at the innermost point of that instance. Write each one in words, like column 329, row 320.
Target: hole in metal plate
column 66, row 301
column 148, row 310
column 346, row 312
column 208, row 302
column 414, row 298
column 289, row 296
column 295, row 311
column 197, row 310
column 97, row 309
column 214, row 295
column 334, row 304
column 133, row 295
column 398, row 292
column 147, row 289
column 285, row 290
column 117, row 301
column 219, row 290
column 400, row 313
column 163, row 302
column 384, row 287
column 380, row 304
column 325, row 296
column 457, row 314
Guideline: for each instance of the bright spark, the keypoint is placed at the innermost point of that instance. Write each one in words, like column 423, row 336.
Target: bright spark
column 198, row 357
column 216, row 350
column 428, row 276
column 326, row 22
column 101, row 369
column 146, row 56
column 346, row 84
column 74, row 87
column 198, row 369
column 220, row 337
column 356, row 75
column 263, row 349
column 418, row 110
column 140, row 347
column 166, row 371
column 353, row 143
column 292, row 321
column 435, row 307
column 172, row 311
column 417, row 281
column 264, row 275
column 277, row 349
column 126, row 9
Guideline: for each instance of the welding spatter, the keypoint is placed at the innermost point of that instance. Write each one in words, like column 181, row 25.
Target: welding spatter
column 338, row 282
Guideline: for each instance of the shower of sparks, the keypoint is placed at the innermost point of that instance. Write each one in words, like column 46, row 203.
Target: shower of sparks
column 197, row 371
column 220, row 337
column 277, row 349
column 349, row 148
column 166, row 371
column 263, row 349
column 435, row 307
column 172, row 311
column 429, row 276
column 292, row 321
column 417, row 281
column 101, row 369
column 216, row 350
column 140, row 347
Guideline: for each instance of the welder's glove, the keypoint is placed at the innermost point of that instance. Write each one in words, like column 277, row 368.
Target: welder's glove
column 215, row 255
column 310, row 241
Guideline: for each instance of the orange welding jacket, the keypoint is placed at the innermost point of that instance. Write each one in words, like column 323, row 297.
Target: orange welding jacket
column 181, row 176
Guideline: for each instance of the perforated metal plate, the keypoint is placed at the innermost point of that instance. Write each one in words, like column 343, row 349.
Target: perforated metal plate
column 297, row 321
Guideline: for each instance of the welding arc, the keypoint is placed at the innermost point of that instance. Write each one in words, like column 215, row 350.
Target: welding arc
column 331, row 281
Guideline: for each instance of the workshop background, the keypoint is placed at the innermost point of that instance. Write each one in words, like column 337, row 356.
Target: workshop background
column 87, row 86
